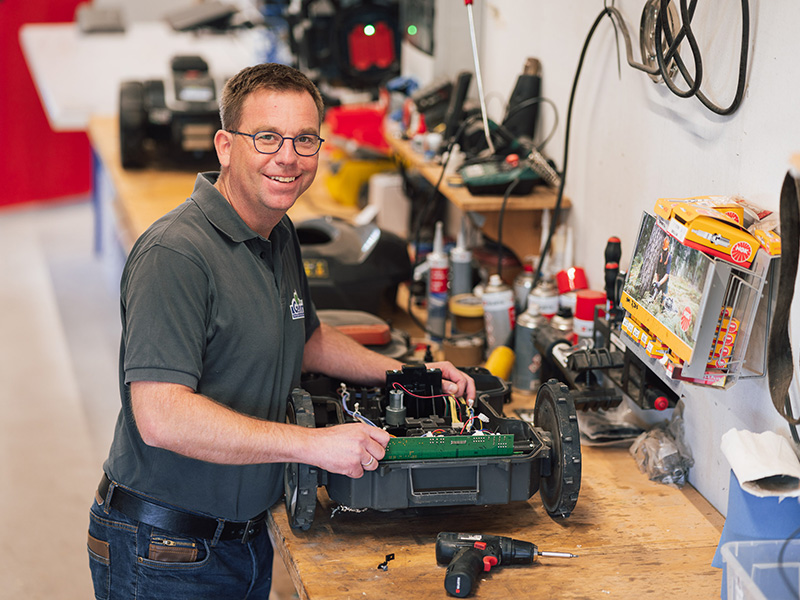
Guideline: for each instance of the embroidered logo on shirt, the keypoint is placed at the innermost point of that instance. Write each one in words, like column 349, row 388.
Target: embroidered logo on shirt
column 296, row 307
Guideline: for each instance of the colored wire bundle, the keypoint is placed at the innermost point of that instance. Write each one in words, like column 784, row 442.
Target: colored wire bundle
column 355, row 414
column 432, row 397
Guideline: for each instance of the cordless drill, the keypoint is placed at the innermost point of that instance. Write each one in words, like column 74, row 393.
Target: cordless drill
column 467, row 554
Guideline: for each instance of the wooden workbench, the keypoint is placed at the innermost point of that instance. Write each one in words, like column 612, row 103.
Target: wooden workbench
column 523, row 221
column 635, row 538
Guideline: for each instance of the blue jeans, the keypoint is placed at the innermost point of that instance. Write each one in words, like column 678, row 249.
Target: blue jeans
column 131, row 560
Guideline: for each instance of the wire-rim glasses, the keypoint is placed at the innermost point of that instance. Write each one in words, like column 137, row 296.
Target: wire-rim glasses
column 270, row 142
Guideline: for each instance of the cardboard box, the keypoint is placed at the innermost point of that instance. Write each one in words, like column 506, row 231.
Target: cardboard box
column 727, row 206
column 655, row 349
column 628, row 324
column 723, row 345
column 645, row 337
column 707, row 229
column 712, row 377
column 769, row 240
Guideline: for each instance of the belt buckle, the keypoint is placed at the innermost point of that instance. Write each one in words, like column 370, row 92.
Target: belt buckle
column 249, row 530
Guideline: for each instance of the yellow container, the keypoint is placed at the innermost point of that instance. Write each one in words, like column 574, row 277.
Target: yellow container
column 467, row 311
column 500, row 362
column 349, row 176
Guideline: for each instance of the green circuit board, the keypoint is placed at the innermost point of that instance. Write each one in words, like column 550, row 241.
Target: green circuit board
column 449, row 446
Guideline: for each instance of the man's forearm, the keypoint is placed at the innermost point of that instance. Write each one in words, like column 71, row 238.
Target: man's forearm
column 175, row 418
column 330, row 352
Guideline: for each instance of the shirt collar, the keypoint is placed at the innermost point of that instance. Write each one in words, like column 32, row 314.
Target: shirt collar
column 221, row 214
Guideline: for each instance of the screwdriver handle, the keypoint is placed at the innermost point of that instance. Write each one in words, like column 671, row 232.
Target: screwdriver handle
column 613, row 250
column 612, row 270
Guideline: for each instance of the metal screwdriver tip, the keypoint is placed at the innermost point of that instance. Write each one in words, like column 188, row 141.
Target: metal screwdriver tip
column 558, row 555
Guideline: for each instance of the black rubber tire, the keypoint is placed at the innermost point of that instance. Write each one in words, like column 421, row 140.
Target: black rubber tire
column 132, row 125
column 555, row 414
column 154, row 94
column 300, row 481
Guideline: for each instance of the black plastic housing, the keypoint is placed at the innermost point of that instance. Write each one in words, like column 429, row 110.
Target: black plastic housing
column 402, row 484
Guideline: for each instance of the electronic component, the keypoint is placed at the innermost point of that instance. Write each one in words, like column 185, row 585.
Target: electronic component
column 444, row 446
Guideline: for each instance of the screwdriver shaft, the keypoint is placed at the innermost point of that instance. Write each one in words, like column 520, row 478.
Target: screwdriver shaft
column 558, row 554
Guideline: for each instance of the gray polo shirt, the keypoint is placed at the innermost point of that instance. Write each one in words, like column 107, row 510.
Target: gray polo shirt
column 208, row 303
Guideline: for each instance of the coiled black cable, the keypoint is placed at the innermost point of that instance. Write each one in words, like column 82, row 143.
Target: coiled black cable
column 687, row 12
column 663, row 32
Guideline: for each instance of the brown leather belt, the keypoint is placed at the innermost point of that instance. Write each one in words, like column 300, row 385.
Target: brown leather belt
column 179, row 522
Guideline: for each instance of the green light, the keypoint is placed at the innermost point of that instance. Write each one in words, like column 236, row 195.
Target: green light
column 369, row 30
column 412, row 30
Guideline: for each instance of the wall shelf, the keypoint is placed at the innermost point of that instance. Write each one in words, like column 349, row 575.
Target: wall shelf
column 522, row 231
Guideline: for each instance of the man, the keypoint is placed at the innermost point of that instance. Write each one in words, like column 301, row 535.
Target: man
column 663, row 267
column 217, row 323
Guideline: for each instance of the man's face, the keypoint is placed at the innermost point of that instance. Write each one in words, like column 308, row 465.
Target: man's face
column 257, row 182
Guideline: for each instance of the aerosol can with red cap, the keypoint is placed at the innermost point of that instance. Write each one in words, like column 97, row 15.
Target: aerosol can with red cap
column 438, row 276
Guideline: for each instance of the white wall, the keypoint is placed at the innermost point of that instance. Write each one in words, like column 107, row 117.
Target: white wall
column 145, row 10
column 632, row 142
column 452, row 45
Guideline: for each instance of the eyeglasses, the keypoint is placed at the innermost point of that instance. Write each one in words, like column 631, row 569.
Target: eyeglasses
column 269, row 142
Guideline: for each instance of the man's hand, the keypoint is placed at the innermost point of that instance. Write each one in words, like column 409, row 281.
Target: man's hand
column 348, row 449
column 454, row 382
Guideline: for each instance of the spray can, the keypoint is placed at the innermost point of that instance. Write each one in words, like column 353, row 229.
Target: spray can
column 523, row 284
column 438, row 274
column 460, row 267
column 562, row 322
column 526, row 376
column 585, row 303
column 545, row 294
column 498, row 312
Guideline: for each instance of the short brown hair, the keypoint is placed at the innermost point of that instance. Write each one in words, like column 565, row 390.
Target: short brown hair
column 265, row 76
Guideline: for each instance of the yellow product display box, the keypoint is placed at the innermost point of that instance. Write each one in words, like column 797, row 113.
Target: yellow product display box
column 711, row 230
column 769, row 240
column 655, row 349
column 725, row 205
column 646, row 338
column 631, row 327
column 667, row 294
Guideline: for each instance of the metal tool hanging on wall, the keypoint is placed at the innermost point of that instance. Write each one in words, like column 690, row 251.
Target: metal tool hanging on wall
column 662, row 24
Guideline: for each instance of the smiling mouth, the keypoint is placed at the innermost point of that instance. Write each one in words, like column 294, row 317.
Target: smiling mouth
column 282, row 179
